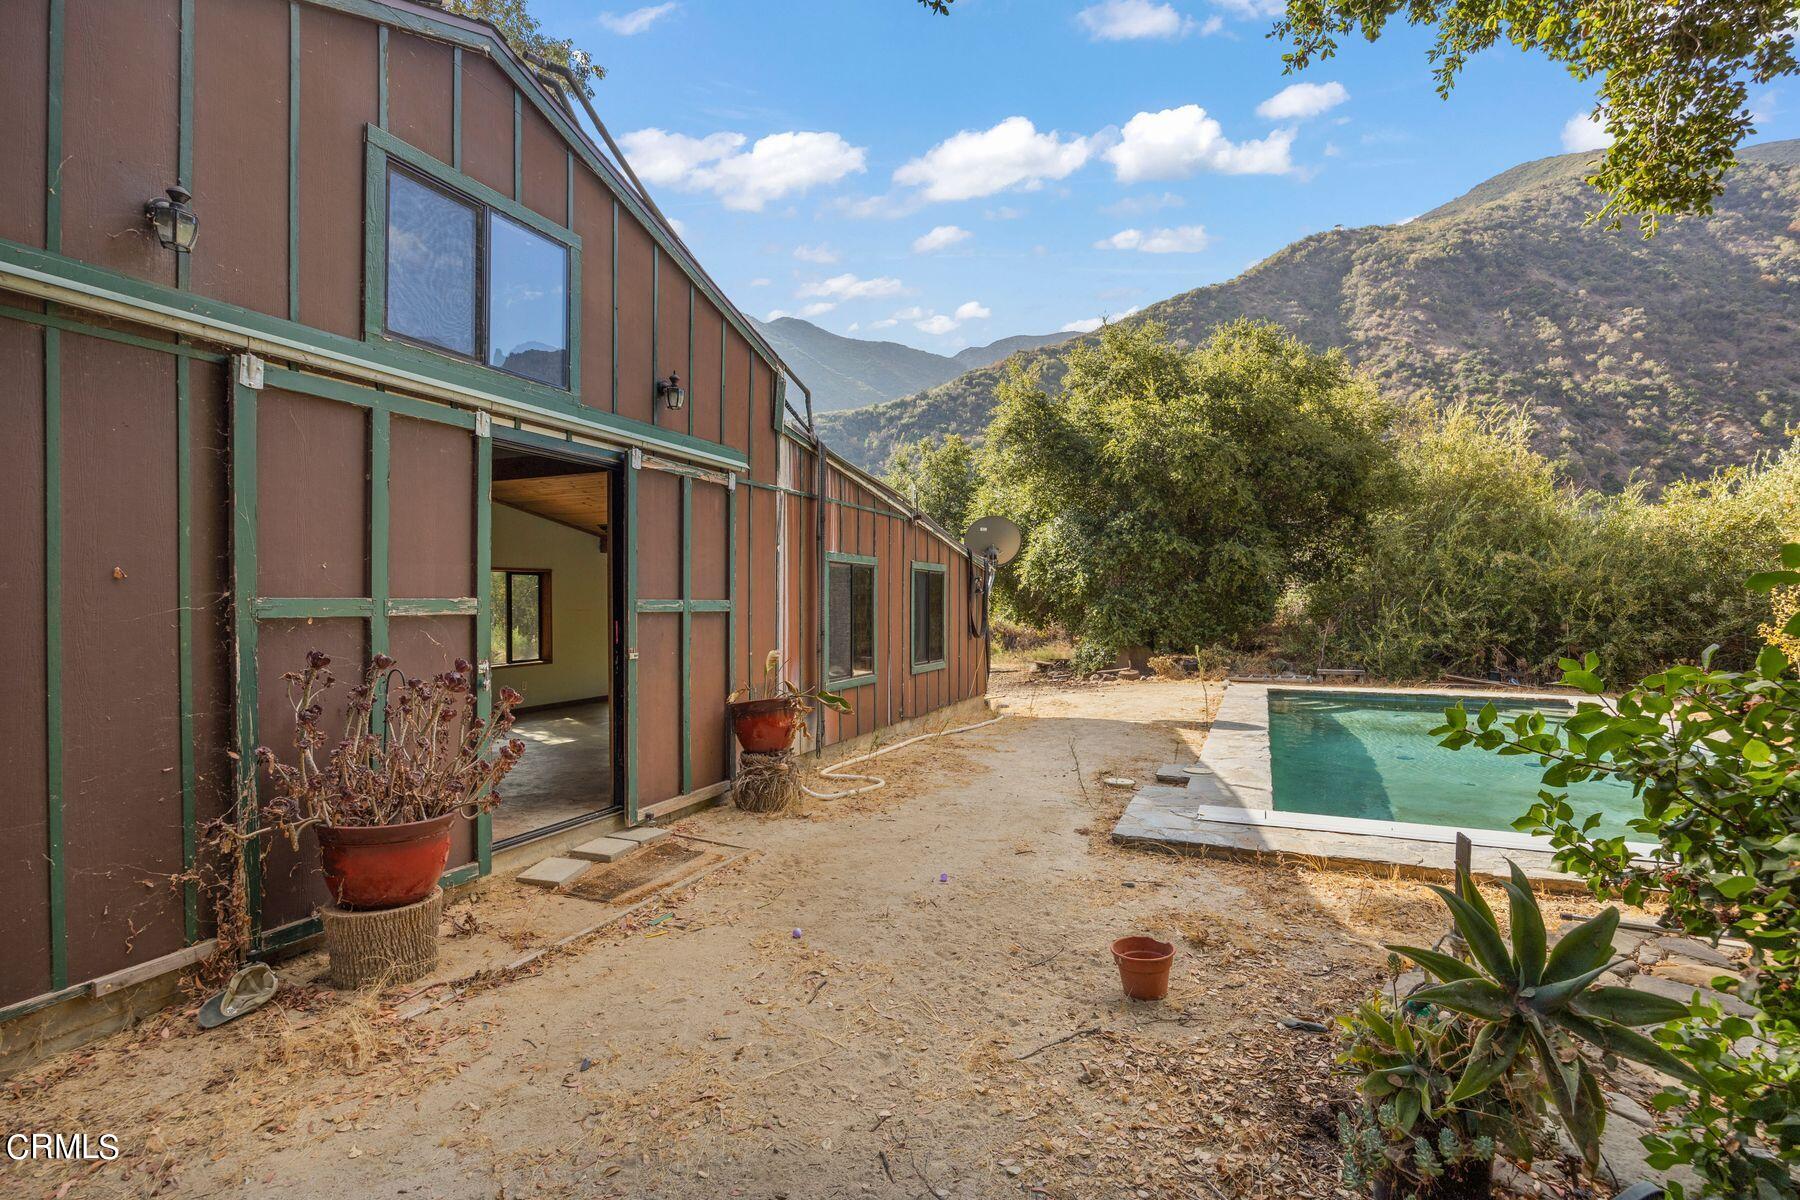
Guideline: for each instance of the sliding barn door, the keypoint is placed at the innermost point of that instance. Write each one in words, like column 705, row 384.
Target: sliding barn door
column 359, row 527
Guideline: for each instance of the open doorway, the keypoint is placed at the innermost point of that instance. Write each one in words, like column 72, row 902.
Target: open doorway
column 553, row 584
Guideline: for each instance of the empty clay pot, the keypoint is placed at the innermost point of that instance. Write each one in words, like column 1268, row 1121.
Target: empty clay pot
column 1143, row 966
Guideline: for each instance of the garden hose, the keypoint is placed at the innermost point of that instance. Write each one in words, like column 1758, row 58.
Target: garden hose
column 873, row 782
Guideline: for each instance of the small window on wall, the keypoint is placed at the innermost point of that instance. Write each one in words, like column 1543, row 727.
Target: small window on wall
column 850, row 620
column 470, row 280
column 930, row 616
column 521, row 608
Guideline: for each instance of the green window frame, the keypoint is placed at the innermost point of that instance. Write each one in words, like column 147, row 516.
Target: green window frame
column 922, row 658
column 846, row 672
column 507, row 597
column 385, row 152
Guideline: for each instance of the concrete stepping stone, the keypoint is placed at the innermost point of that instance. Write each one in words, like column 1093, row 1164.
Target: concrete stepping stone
column 554, row 872
column 643, row 835
column 1171, row 774
column 604, row 849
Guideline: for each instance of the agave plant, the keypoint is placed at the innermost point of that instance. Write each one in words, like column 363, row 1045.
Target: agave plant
column 1536, row 1006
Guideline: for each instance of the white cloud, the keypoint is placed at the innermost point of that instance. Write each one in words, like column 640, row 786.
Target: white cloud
column 778, row 165
column 975, row 163
column 628, row 24
column 822, row 254
column 760, row 281
column 1183, row 239
column 776, row 314
column 912, row 313
column 1249, row 9
column 1093, row 323
column 818, row 309
column 936, row 324
column 886, row 323
column 1128, row 20
column 941, row 238
column 1005, row 212
column 1132, row 205
column 1298, row 101
column 849, row 287
column 974, row 310
column 1176, row 142
column 1583, row 132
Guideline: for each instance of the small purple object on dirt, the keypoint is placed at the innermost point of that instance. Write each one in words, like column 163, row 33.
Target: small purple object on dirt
column 944, row 878
column 796, row 933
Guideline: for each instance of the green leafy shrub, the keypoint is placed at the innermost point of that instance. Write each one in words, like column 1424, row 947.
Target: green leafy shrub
column 1091, row 656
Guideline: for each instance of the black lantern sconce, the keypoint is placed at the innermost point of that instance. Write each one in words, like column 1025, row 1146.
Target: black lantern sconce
column 175, row 223
column 670, row 391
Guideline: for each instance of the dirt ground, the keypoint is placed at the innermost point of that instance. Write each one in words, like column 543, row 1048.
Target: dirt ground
column 902, row 994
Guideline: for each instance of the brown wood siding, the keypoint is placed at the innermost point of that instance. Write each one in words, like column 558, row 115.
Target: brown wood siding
column 711, row 754
column 636, row 374
column 427, row 646
column 312, row 511
column 24, row 97
column 764, row 579
column 431, row 521
column 703, row 388
column 339, row 75
column 420, row 75
column 121, row 699
column 671, row 338
column 659, row 536
column 593, row 224
column 763, row 464
column 659, row 706
column 712, row 576
column 737, row 392
column 545, row 162
column 240, row 182
column 487, row 123
column 25, row 885
column 209, row 590
column 121, row 63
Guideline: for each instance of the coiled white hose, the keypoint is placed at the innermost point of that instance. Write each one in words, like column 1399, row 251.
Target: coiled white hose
column 873, row 782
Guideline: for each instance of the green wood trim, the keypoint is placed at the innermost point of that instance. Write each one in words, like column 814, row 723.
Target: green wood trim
column 301, row 608
column 467, row 873
column 184, row 138
column 36, row 1003
column 293, row 179
column 631, row 643
column 687, row 634
column 243, row 588
column 484, row 555
column 456, row 107
column 53, row 127
column 53, row 707
column 527, row 439
column 690, row 367
column 432, row 370
column 71, row 325
column 857, row 560
column 286, row 935
column 380, row 456
column 569, row 188
column 724, row 345
column 375, row 203
column 709, row 606
column 381, row 76
column 518, row 193
column 184, row 635
column 452, row 606
column 453, row 178
column 661, row 606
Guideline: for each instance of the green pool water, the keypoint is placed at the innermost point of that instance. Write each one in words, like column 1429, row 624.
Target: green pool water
column 1373, row 756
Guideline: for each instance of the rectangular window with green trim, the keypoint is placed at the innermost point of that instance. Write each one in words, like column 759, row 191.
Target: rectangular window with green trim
column 930, row 616
column 521, row 618
column 850, row 620
column 458, row 268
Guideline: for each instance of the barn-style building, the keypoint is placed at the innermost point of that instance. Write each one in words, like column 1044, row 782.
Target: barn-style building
column 434, row 378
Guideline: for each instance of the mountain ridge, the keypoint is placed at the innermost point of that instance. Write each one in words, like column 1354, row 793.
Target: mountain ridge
column 1641, row 359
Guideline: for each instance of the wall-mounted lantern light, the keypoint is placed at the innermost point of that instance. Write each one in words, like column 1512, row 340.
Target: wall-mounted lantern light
column 670, row 391
column 175, row 223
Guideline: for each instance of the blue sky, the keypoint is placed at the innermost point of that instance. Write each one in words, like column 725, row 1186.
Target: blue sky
column 1024, row 166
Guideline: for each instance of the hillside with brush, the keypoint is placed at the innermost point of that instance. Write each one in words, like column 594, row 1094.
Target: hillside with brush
column 1648, row 359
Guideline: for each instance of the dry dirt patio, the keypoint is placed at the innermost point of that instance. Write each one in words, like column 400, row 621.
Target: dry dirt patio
column 918, row 1038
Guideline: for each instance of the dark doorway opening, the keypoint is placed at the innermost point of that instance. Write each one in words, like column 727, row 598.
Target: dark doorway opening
column 553, row 592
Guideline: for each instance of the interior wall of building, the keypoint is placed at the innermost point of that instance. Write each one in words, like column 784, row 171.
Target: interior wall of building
column 580, row 666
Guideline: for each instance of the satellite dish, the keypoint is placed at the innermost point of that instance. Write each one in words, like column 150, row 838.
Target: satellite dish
column 994, row 538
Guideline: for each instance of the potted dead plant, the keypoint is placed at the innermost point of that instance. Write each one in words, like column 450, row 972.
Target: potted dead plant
column 413, row 755
column 766, row 716
column 1500, row 1044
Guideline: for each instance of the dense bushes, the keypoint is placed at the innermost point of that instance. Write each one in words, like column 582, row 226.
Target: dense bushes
column 1483, row 561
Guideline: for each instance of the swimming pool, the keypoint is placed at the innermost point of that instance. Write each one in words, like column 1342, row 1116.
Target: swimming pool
column 1372, row 756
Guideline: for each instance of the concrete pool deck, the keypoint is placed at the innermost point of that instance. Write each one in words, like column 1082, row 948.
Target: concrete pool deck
column 1228, row 803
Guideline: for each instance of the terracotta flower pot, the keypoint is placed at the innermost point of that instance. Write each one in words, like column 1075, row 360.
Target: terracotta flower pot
column 1143, row 966
column 763, row 726
column 384, row 866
